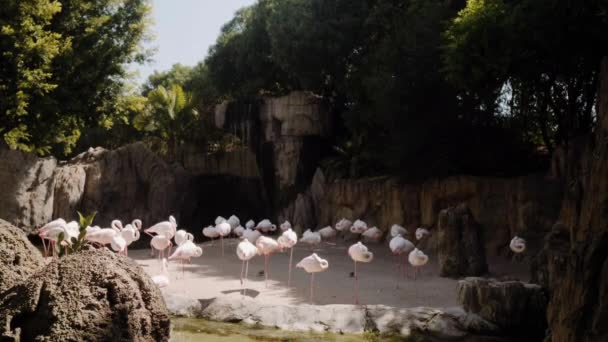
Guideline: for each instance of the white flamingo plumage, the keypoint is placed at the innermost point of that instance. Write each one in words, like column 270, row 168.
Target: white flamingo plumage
column 211, row 233
column 359, row 253
column 401, row 246
column 313, row 264
column 219, row 219
column 311, row 238
column 358, row 227
column 186, row 251
column 224, row 230
column 517, row 245
column 182, row 236
column 372, row 235
column 288, row 239
column 245, row 250
column 422, row 233
column 50, row 232
column 417, row 258
column 250, row 224
column 238, row 231
column 118, row 244
column 233, row 221
column 343, row 225
column 265, row 226
column 103, row 236
column 398, row 230
column 285, row 225
column 166, row 228
column 131, row 234
column 266, row 246
column 252, row 235
column 328, row 233
column 162, row 280
column 160, row 243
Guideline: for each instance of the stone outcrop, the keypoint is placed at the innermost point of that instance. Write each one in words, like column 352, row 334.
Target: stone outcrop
column 460, row 243
column 89, row 296
column 517, row 308
column 27, row 188
column 574, row 262
column 19, row 259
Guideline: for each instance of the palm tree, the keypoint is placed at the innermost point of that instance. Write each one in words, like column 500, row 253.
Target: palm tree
column 170, row 115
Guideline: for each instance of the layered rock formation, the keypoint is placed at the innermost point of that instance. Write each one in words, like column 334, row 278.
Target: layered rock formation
column 89, row 296
column 460, row 246
column 517, row 308
column 19, row 259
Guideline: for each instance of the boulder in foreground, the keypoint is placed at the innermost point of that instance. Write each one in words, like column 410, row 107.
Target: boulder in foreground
column 88, row 296
column 19, row 259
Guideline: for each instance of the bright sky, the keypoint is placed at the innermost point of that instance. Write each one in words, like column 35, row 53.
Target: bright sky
column 185, row 29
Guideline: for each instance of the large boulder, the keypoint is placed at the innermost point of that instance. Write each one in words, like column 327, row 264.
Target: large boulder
column 89, row 296
column 517, row 308
column 27, row 188
column 459, row 243
column 19, row 259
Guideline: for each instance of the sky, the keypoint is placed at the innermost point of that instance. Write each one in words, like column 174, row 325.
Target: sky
column 184, row 30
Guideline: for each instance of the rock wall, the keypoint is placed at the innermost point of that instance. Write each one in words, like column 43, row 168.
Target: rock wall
column 527, row 206
column 575, row 257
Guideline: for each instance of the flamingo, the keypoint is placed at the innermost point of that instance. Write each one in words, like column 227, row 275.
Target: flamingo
column 43, row 232
column 185, row 252
column 359, row 253
column 417, row 258
column 51, row 232
column 311, row 238
column 343, row 225
column 285, row 226
column 223, row 229
column 245, row 250
column 372, row 235
column 398, row 246
column 266, row 246
column 358, row 227
column 398, row 230
column 250, row 224
column 211, row 233
column 328, row 233
column 287, row 240
column 162, row 280
column 517, row 245
column 313, row 264
column 252, row 235
column 266, row 226
column 219, row 219
column 103, row 236
column 130, row 234
column 422, row 233
column 166, row 228
column 233, row 221
column 182, row 236
column 238, row 231
column 160, row 243
column 118, row 243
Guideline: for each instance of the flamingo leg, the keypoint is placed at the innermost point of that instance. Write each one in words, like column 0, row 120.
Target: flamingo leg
column 222, row 242
column 246, row 271
column 242, row 270
column 356, row 285
column 398, row 267
column 290, row 260
column 266, row 270
column 44, row 246
column 312, row 285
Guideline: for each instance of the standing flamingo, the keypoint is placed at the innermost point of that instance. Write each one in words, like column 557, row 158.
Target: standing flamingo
column 266, row 246
column 219, row 219
column 185, row 252
column 182, row 236
column 399, row 246
column 372, row 235
column 118, row 244
column 162, row 280
column 313, row 264
column 166, row 228
column 359, row 253
column 160, row 243
column 266, row 226
column 328, row 233
column 130, row 234
column 343, row 225
column 211, row 232
column 287, row 240
column 250, row 224
column 358, row 227
column 285, row 225
column 398, row 230
column 417, row 258
column 311, row 238
column 223, row 229
column 51, row 232
column 252, row 235
column 238, row 231
column 245, row 250
column 422, row 233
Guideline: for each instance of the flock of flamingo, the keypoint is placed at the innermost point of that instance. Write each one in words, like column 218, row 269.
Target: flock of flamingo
column 253, row 242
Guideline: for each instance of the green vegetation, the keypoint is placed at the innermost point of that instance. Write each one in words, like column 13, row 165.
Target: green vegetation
column 417, row 87
column 76, row 243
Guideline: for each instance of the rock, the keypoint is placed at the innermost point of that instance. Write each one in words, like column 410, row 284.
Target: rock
column 460, row 243
column 517, row 308
column 27, row 189
column 19, row 259
column 89, row 296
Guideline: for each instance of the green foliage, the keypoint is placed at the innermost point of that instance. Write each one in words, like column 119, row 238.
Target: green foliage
column 178, row 74
column 170, row 116
column 76, row 244
column 63, row 67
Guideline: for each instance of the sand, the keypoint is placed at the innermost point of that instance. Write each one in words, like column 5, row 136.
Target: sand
column 212, row 275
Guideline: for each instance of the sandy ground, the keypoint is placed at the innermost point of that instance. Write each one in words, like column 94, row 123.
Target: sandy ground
column 212, row 275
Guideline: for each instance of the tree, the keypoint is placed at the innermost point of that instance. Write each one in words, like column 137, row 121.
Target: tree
column 77, row 58
column 178, row 74
column 170, row 116
column 531, row 61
